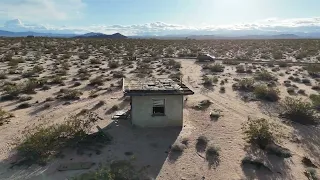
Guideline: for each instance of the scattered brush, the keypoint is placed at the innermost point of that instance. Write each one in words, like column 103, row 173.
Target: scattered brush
column 267, row 93
column 299, row 111
column 202, row 105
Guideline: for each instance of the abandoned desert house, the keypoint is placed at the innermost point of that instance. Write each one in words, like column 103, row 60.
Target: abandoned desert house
column 156, row 102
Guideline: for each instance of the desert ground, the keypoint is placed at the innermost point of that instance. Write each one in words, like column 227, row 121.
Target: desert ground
column 254, row 114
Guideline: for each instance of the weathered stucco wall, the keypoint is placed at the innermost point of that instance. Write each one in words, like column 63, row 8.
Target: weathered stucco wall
column 141, row 114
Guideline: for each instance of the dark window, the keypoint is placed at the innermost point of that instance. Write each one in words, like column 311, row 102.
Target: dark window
column 158, row 107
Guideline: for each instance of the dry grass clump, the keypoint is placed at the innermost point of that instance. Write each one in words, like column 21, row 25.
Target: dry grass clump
column 97, row 81
column 243, row 69
column 264, row 75
column 311, row 174
column 216, row 67
column 260, row 132
column 313, row 70
column 209, row 81
column 118, row 170
column 178, row 147
column 245, row 84
column 266, row 93
column 299, row 111
column 113, row 64
column 202, row 105
column 315, row 101
column 4, row 116
column 42, row 143
column 69, row 94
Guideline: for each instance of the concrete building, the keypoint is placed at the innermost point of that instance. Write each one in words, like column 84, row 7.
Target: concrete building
column 156, row 102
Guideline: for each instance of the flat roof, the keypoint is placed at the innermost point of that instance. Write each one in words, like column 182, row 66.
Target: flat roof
column 154, row 86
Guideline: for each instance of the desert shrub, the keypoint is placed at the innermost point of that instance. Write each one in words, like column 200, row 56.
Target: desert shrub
column 76, row 84
column 301, row 91
column 42, row 143
column 69, row 94
column 24, row 98
column 202, row 105
column 283, row 64
column 56, row 80
column 208, row 81
column 83, row 56
column 291, row 90
column 214, row 68
column 95, row 61
column 266, row 93
column 213, row 151
column 315, row 100
column 11, row 91
column 97, row 81
column 311, row 174
column 316, row 87
column 178, row 147
column 241, row 69
column 202, row 141
column 28, row 74
column 114, row 108
column 113, row 64
column 37, row 69
column 222, row 89
column 172, row 64
column 306, row 81
column 299, row 111
column 228, row 62
column 260, row 132
column 4, row 116
column 244, row 84
column 23, row 105
column 118, row 170
column 118, row 74
column 313, row 70
column 3, row 75
column 264, row 76
column 296, row 79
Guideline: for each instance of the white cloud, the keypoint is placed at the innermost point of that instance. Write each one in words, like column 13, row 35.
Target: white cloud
column 268, row 26
column 40, row 10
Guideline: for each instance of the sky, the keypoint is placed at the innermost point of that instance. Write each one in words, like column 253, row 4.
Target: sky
column 112, row 15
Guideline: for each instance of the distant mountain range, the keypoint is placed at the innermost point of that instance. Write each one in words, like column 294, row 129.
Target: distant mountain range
column 120, row 36
column 37, row 34
column 101, row 35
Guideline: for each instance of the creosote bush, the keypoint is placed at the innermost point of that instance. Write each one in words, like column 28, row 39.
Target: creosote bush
column 260, row 132
column 266, row 93
column 4, row 116
column 244, row 84
column 118, row 170
column 69, row 94
column 42, row 143
column 215, row 67
column 264, row 76
column 299, row 111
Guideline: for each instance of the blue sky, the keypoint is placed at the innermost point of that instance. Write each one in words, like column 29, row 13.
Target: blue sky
column 187, row 13
column 194, row 12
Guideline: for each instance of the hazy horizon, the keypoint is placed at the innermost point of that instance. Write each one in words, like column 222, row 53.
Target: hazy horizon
column 166, row 17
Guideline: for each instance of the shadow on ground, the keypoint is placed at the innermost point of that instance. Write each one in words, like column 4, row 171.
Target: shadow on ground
column 147, row 147
column 309, row 138
column 276, row 167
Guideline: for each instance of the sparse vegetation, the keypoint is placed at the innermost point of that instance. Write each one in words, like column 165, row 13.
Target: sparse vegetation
column 260, row 132
column 266, row 93
column 42, row 143
column 299, row 111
